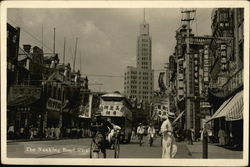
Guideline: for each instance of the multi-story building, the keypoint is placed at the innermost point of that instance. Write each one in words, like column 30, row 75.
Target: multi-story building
column 188, row 78
column 226, row 79
column 138, row 81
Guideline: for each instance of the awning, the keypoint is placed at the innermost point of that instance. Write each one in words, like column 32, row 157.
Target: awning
column 231, row 109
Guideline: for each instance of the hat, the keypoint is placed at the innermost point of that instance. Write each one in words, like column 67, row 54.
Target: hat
column 98, row 114
column 171, row 114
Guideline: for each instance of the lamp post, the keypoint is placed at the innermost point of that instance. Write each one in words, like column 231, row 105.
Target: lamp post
column 205, row 143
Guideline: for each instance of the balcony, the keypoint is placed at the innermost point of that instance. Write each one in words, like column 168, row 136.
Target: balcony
column 234, row 82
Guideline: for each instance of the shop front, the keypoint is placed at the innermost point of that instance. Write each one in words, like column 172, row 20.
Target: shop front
column 229, row 118
column 22, row 113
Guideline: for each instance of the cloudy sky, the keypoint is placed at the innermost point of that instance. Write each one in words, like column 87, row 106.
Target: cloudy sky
column 106, row 37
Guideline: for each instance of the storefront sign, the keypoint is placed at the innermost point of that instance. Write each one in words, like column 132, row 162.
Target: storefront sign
column 23, row 95
column 53, row 104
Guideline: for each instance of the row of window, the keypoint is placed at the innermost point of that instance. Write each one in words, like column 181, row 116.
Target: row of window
column 110, row 107
column 11, row 66
column 145, row 63
column 141, row 97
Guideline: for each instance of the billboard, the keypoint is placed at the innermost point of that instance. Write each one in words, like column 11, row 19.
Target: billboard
column 85, row 110
column 23, row 95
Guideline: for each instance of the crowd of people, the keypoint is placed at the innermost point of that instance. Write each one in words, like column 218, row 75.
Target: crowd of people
column 50, row 132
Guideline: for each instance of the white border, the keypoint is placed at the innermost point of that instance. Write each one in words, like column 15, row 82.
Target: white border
column 124, row 4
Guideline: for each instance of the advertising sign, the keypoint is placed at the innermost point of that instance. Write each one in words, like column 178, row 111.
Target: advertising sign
column 23, row 95
column 53, row 104
column 114, row 110
column 161, row 107
column 85, row 111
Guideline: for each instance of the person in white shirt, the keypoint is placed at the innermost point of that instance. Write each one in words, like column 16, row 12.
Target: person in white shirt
column 169, row 147
column 113, row 131
column 151, row 133
column 140, row 132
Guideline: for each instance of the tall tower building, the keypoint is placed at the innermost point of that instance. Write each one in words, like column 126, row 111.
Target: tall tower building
column 139, row 80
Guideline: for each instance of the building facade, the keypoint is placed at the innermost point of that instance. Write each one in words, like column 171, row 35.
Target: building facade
column 139, row 80
column 226, row 79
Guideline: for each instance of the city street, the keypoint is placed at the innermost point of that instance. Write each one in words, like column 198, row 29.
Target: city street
column 132, row 150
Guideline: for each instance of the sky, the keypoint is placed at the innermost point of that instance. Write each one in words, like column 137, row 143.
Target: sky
column 106, row 37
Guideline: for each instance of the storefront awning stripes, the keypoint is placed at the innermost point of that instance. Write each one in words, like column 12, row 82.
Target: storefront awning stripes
column 231, row 109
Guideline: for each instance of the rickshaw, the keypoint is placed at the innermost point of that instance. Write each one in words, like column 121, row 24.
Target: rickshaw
column 95, row 147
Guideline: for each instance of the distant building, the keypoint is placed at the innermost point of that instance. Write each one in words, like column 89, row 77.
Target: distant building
column 139, row 80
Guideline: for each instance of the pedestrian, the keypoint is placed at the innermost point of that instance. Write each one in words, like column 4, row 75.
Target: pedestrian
column 22, row 133
column 31, row 133
column 35, row 132
column 140, row 132
column 82, row 132
column 201, row 134
column 57, row 132
column 133, row 134
column 222, row 135
column 188, row 136
column 48, row 132
column 210, row 135
column 78, row 132
column 52, row 132
column 169, row 147
column 68, row 132
column 192, row 139
column 151, row 133
column 11, row 132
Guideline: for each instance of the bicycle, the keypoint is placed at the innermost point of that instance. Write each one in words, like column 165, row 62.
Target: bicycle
column 151, row 139
column 140, row 136
column 98, row 143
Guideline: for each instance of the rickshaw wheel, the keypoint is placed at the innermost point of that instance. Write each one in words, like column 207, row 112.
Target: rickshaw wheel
column 94, row 150
column 116, row 148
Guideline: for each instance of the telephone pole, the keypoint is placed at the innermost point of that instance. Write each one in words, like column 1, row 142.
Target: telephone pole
column 64, row 44
column 54, row 43
column 189, row 92
column 75, row 55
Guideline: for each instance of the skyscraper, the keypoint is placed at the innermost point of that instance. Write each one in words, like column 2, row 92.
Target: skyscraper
column 138, row 81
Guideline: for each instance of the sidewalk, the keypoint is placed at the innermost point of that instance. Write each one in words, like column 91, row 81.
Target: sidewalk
column 214, row 152
column 42, row 139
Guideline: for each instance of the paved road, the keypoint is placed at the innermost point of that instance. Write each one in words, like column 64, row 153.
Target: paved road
column 53, row 149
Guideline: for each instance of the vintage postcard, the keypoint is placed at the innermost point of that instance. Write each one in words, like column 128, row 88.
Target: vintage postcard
column 150, row 83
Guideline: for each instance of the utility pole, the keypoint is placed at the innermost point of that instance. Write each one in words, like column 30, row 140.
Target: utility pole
column 80, row 62
column 75, row 55
column 189, row 103
column 64, row 43
column 42, row 37
column 54, row 43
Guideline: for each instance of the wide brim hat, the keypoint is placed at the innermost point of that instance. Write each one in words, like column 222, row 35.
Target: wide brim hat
column 171, row 115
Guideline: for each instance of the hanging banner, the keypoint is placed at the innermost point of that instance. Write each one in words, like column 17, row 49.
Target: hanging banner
column 23, row 95
column 85, row 111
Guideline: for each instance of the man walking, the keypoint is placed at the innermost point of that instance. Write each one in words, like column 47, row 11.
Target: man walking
column 151, row 134
column 222, row 136
column 140, row 132
column 169, row 147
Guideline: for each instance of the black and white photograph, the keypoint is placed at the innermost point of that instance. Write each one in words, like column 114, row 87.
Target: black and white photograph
column 128, row 83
